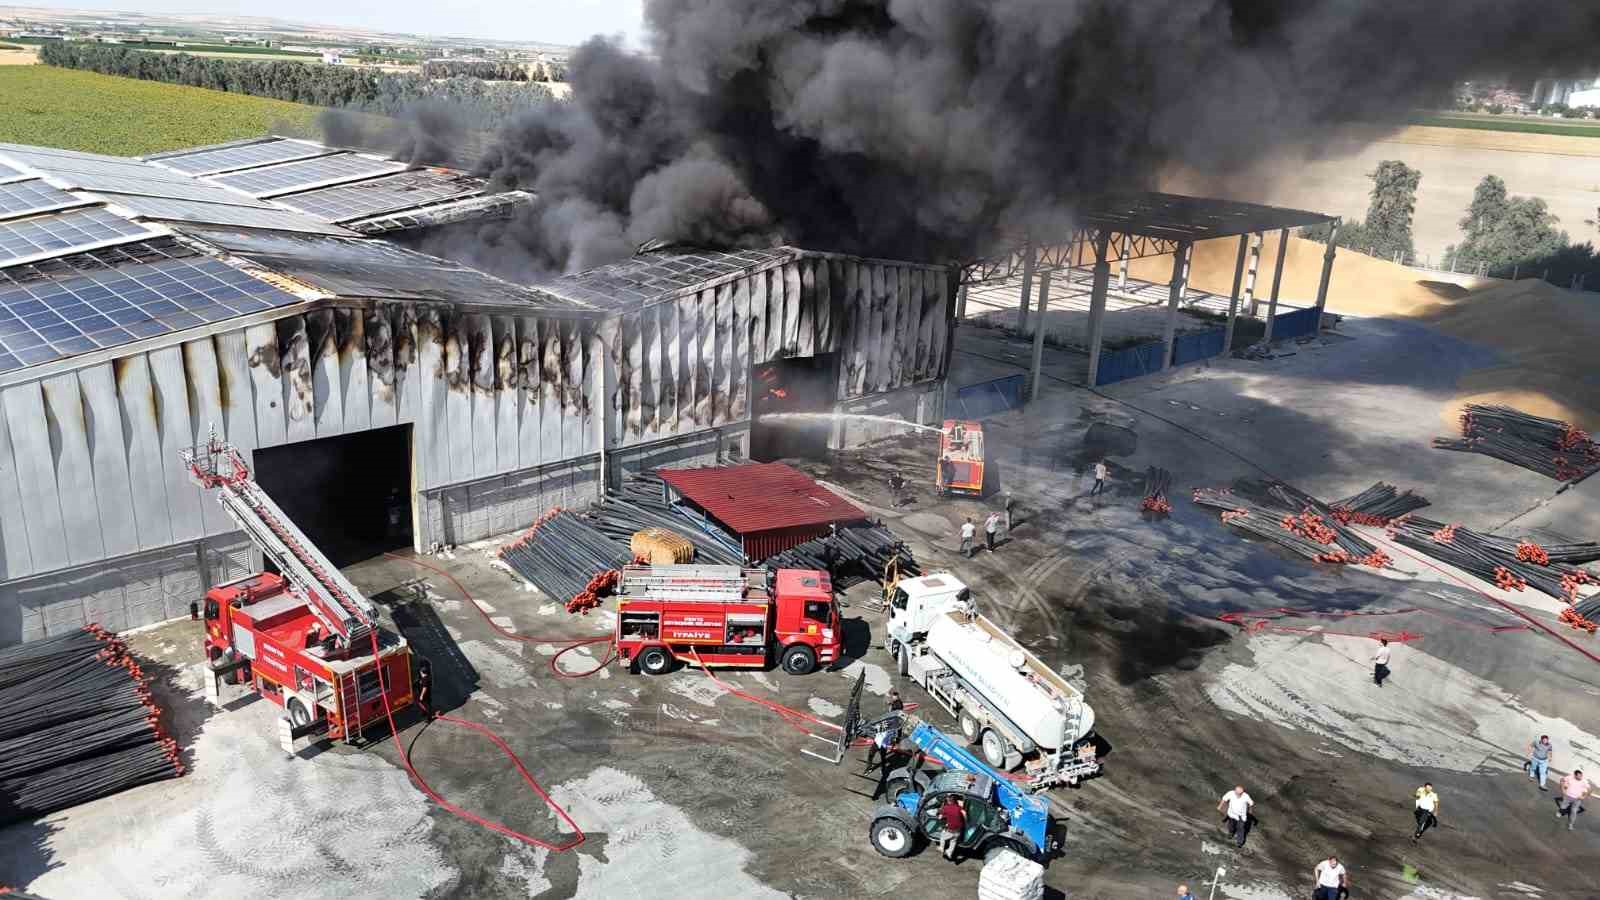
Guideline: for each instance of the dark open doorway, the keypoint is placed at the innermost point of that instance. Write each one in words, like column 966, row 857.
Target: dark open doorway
column 802, row 384
column 350, row 494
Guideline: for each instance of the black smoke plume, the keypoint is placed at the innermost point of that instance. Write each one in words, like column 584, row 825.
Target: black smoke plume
column 921, row 128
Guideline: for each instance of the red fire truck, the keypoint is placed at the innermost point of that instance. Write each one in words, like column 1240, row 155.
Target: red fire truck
column 302, row 639
column 726, row 616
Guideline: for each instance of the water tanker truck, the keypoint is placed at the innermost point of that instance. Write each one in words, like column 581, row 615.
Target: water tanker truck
column 1019, row 712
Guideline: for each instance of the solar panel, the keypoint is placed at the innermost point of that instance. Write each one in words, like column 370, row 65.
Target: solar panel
column 8, row 172
column 26, row 197
column 222, row 214
column 110, row 297
column 63, row 232
column 90, row 165
column 405, row 190
column 206, row 162
column 286, row 177
column 188, row 189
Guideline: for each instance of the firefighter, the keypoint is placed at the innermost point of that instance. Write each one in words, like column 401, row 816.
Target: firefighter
column 423, row 689
column 897, row 485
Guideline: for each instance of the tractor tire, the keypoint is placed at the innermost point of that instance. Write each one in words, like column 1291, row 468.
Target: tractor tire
column 996, row 749
column 997, row 847
column 971, row 729
column 655, row 661
column 892, row 837
column 298, row 714
column 798, row 660
column 897, row 786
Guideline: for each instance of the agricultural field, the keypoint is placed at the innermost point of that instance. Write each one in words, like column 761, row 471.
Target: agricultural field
column 107, row 114
column 1520, row 124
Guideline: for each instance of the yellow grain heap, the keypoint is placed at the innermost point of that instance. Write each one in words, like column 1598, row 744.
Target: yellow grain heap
column 660, row 547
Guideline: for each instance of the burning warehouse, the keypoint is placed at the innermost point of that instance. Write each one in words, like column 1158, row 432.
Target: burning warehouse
column 385, row 396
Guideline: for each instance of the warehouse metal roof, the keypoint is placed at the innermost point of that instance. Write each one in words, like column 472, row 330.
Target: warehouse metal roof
column 1179, row 217
column 758, row 497
column 651, row 276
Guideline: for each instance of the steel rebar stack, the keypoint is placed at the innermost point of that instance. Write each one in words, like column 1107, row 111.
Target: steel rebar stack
column 1293, row 519
column 77, row 722
column 1554, row 449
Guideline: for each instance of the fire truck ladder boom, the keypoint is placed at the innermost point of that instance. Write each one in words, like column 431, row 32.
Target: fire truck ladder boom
column 343, row 609
column 685, row 582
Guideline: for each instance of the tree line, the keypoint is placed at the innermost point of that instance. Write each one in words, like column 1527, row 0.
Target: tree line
column 344, row 87
column 489, row 71
column 1502, row 235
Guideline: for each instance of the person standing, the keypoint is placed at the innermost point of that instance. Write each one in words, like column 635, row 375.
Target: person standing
column 1100, row 473
column 991, row 527
column 1236, row 805
column 1331, row 879
column 955, row 821
column 968, row 531
column 423, row 689
column 1183, row 892
column 897, row 484
column 1427, row 811
column 1539, row 760
column 1380, row 662
column 1574, row 790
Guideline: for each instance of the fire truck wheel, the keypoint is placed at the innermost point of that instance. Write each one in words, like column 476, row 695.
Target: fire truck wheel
column 799, row 660
column 892, row 838
column 970, row 729
column 298, row 714
column 655, row 661
column 996, row 749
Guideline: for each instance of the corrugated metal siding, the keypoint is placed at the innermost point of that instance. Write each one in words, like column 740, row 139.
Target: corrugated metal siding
column 759, row 545
column 89, row 459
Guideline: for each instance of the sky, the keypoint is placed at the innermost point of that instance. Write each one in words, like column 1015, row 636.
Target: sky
column 545, row 21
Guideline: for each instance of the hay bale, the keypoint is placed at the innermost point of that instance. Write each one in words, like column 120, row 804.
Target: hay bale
column 661, row 547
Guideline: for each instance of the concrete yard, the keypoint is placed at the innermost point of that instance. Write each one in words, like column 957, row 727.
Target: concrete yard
column 684, row 789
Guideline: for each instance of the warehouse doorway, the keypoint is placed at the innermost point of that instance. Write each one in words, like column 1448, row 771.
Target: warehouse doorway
column 350, row 494
column 790, row 412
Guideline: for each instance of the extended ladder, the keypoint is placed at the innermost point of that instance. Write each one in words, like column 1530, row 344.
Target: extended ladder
column 340, row 606
column 704, row 583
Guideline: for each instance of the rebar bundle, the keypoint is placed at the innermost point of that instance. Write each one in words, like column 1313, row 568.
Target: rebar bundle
column 641, row 503
column 77, row 722
column 852, row 554
column 1554, row 449
column 1509, row 563
column 1291, row 518
column 1157, row 481
column 1377, row 505
column 566, row 558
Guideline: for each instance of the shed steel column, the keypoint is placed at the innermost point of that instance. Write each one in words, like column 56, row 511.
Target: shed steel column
column 1036, row 371
column 1250, row 273
column 1180, row 278
column 1277, row 281
column 961, row 304
column 1327, row 271
column 1233, row 298
column 1122, row 264
column 1097, row 303
column 1027, row 287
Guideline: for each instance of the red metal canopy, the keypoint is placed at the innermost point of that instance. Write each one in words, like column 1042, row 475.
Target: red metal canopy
column 762, row 497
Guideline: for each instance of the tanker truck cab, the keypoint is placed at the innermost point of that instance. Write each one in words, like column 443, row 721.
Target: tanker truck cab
column 917, row 602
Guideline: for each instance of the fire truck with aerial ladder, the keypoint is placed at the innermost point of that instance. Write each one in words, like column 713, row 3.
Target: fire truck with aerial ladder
column 726, row 616
column 303, row 637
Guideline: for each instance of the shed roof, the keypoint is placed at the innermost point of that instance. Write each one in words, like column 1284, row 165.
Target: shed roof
column 1180, row 217
column 758, row 497
column 655, row 275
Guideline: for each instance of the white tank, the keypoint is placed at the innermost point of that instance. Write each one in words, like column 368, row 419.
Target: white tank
column 1009, row 677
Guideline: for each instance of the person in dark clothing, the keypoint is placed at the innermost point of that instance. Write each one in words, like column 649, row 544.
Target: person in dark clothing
column 423, row 689
column 884, row 743
column 897, row 485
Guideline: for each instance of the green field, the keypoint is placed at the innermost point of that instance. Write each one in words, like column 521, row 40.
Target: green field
column 124, row 116
column 1524, row 124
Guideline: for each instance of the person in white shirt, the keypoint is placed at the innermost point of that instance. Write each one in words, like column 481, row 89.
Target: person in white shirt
column 1331, row 876
column 1380, row 662
column 1100, row 473
column 1236, row 804
column 968, row 530
column 1427, row 811
column 991, row 526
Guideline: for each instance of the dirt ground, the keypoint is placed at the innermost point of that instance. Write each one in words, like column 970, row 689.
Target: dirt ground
column 679, row 784
column 24, row 57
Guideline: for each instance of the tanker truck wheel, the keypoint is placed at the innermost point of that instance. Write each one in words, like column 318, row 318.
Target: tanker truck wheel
column 970, row 729
column 996, row 749
column 798, row 660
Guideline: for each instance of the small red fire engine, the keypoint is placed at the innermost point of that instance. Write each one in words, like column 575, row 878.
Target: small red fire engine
column 960, row 457
column 303, row 639
column 726, row 616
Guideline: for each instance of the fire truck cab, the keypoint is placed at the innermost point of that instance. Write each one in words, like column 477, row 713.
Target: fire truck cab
column 267, row 636
column 726, row 616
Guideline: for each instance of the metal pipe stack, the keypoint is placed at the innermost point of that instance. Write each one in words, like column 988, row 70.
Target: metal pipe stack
column 77, row 722
column 1291, row 518
column 1157, row 481
column 1377, row 505
column 857, row 553
column 1554, row 449
column 1510, row 563
column 566, row 558
column 641, row 503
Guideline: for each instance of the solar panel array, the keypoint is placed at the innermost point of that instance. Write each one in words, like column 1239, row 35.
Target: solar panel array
column 648, row 277
column 84, row 302
column 24, row 197
column 54, row 161
column 9, row 172
column 286, row 177
column 221, row 214
column 405, row 190
column 63, row 233
column 223, row 159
